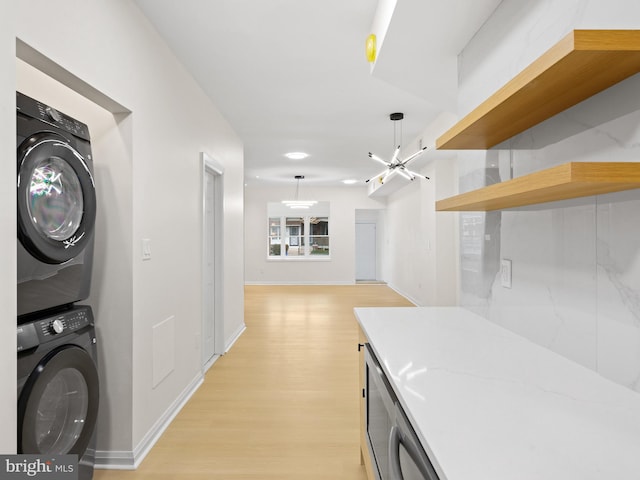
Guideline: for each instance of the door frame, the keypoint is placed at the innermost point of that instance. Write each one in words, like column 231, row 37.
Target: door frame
column 212, row 166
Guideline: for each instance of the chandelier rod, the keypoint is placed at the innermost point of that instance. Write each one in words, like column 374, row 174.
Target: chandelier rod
column 396, row 165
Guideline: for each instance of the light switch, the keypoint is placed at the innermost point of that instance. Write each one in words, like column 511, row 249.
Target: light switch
column 146, row 249
column 505, row 273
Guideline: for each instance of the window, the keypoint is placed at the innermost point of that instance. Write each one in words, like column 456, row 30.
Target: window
column 319, row 235
column 274, row 236
column 298, row 236
column 295, row 234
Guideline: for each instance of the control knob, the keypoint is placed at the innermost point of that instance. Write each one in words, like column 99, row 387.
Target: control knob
column 57, row 326
column 53, row 114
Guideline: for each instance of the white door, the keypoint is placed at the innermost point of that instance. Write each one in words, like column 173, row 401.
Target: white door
column 212, row 288
column 365, row 251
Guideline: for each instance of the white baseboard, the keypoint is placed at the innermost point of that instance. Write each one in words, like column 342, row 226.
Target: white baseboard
column 114, row 460
column 209, row 364
column 235, row 337
column 130, row 460
column 400, row 292
column 310, row 282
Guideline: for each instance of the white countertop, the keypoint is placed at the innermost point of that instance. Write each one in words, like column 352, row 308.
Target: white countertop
column 489, row 404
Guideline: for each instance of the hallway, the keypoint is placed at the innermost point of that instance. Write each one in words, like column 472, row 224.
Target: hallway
column 283, row 403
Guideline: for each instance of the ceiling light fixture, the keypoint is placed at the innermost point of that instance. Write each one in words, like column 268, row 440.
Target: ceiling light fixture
column 297, row 203
column 296, row 155
column 349, row 181
column 396, row 165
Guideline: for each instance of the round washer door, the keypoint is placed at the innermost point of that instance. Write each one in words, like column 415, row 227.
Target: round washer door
column 58, row 406
column 56, row 198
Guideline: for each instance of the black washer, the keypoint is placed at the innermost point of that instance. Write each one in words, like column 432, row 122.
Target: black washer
column 58, row 386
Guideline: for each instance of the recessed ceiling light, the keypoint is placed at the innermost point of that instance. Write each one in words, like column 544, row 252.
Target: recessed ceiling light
column 350, row 181
column 296, row 155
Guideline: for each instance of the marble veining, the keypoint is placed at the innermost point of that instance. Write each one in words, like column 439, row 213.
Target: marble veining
column 489, row 404
column 629, row 296
column 576, row 263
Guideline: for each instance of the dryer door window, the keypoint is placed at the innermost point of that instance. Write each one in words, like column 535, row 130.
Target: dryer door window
column 58, row 406
column 62, row 410
column 56, row 199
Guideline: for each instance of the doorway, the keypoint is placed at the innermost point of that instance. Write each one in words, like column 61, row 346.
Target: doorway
column 212, row 260
column 366, row 252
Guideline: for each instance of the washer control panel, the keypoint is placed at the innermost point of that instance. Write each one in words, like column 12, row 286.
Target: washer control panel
column 48, row 328
column 35, row 109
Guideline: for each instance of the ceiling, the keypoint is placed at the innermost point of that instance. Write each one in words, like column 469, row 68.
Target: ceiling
column 291, row 75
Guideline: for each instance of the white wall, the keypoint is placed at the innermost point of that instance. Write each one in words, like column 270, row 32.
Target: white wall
column 420, row 247
column 8, row 231
column 576, row 264
column 417, row 247
column 113, row 49
column 340, row 269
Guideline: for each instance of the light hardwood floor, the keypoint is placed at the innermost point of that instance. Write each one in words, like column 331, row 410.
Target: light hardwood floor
column 283, row 403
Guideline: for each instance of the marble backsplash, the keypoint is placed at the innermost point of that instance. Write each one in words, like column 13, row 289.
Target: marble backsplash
column 576, row 263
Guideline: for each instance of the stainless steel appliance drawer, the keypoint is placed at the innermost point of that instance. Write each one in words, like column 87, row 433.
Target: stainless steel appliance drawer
column 394, row 447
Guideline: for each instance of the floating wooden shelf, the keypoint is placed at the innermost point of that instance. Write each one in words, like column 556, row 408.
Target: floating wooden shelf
column 570, row 180
column 582, row 64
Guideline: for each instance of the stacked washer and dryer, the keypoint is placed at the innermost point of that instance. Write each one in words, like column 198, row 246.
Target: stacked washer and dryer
column 58, row 388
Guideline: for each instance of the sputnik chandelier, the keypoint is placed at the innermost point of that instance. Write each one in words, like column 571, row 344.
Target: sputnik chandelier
column 396, row 165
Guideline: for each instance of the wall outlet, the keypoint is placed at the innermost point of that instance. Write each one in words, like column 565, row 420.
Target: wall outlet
column 505, row 273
